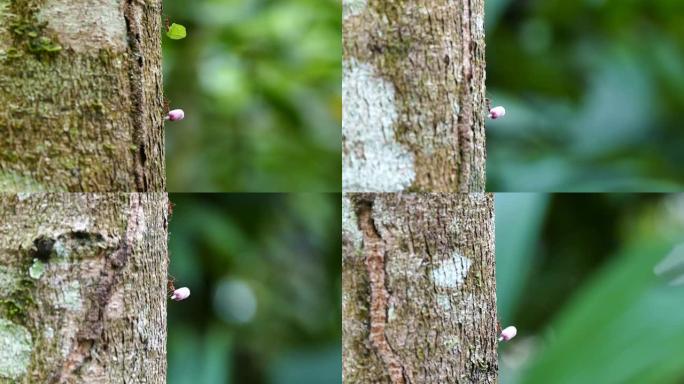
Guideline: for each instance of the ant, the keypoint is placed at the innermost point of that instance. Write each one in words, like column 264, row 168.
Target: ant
column 169, row 284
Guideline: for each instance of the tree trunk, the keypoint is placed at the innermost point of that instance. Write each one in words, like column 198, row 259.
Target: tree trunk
column 81, row 96
column 83, row 288
column 413, row 96
column 418, row 302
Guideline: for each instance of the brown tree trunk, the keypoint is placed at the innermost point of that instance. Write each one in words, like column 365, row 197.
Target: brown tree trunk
column 418, row 301
column 413, row 95
column 83, row 288
column 81, row 96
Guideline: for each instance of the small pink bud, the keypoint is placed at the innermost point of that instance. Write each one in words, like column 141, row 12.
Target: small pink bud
column 180, row 294
column 175, row 115
column 508, row 333
column 497, row 112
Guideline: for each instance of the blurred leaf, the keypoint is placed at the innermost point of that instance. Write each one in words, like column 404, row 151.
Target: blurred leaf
column 176, row 32
column 623, row 327
column 591, row 89
column 308, row 367
column 518, row 225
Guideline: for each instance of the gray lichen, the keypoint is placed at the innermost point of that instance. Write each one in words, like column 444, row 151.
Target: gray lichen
column 12, row 182
column 353, row 7
column 16, row 345
column 349, row 223
column 86, row 25
column 71, row 297
column 373, row 159
column 451, row 272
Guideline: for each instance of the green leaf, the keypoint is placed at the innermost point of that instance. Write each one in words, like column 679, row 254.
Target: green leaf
column 176, row 32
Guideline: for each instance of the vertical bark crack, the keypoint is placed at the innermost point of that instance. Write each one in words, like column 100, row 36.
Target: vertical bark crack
column 465, row 130
column 135, row 70
column 374, row 252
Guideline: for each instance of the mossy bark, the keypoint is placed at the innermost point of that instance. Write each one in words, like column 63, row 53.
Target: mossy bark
column 418, row 280
column 413, row 96
column 81, row 104
column 83, row 288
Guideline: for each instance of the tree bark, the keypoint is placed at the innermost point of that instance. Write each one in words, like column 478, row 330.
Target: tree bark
column 81, row 96
column 413, row 96
column 418, row 302
column 83, row 288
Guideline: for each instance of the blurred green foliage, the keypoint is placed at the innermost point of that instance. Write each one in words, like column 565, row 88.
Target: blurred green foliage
column 576, row 275
column 593, row 91
column 260, row 82
column 264, row 271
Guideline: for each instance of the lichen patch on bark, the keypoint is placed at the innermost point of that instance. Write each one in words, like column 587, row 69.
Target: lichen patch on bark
column 349, row 223
column 451, row 272
column 12, row 183
column 373, row 159
column 15, row 350
column 71, row 297
column 353, row 7
column 86, row 25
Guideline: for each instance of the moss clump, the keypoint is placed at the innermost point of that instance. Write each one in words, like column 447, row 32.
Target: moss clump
column 29, row 35
column 17, row 305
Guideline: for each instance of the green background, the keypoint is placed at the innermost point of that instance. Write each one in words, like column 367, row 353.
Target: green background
column 259, row 81
column 576, row 276
column 594, row 92
column 264, row 272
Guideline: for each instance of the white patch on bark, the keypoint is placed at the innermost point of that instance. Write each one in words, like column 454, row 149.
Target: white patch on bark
column 372, row 159
column 141, row 228
column 48, row 333
column 444, row 302
column 353, row 7
column 86, row 25
column 15, row 350
column 451, row 273
column 350, row 224
column 479, row 25
column 81, row 224
column 115, row 308
column 60, row 249
column 71, row 297
column 391, row 313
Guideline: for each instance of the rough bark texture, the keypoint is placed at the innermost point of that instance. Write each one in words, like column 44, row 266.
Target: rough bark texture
column 413, row 96
column 418, row 301
column 83, row 288
column 81, row 96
